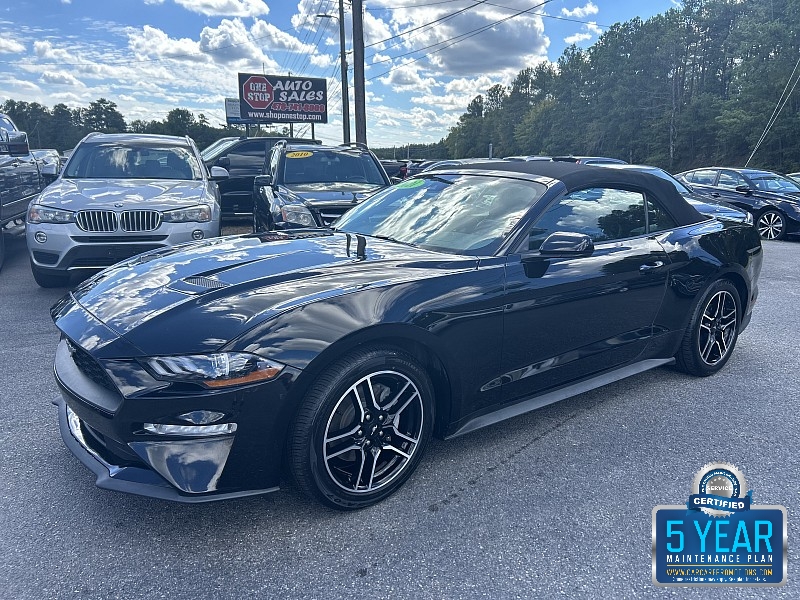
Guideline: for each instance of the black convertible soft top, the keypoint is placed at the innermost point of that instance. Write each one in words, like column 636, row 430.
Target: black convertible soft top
column 577, row 177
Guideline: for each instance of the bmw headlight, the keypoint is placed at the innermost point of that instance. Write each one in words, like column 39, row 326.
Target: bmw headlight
column 45, row 214
column 218, row 370
column 193, row 214
column 297, row 214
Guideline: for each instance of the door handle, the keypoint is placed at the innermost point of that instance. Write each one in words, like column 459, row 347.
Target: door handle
column 651, row 267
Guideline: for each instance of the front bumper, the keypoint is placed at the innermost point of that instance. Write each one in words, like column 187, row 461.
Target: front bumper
column 67, row 248
column 106, row 431
column 131, row 479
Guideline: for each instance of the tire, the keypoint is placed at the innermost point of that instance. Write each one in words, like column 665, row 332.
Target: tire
column 362, row 428
column 712, row 333
column 771, row 225
column 49, row 279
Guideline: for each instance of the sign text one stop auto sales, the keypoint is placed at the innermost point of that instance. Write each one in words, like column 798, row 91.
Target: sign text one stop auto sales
column 279, row 99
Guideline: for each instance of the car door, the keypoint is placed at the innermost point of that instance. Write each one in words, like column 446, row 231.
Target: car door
column 733, row 188
column 570, row 317
column 243, row 161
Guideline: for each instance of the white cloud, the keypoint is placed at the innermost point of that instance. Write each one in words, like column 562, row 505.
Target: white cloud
column 61, row 78
column 578, row 38
column 152, row 42
column 226, row 8
column 582, row 11
column 154, row 1
column 9, row 46
column 594, row 28
column 406, row 78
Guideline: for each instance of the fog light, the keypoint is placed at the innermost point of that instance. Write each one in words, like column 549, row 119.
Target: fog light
column 197, row 235
column 190, row 430
column 201, row 417
column 40, row 237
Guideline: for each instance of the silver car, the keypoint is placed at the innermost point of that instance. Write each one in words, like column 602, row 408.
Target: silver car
column 117, row 196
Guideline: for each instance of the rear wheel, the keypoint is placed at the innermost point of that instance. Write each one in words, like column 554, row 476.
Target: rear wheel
column 49, row 279
column 362, row 428
column 771, row 225
column 711, row 336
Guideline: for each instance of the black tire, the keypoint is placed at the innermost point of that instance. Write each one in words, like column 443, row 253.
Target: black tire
column 49, row 279
column 362, row 428
column 713, row 330
column 771, row 225
column 2, row 247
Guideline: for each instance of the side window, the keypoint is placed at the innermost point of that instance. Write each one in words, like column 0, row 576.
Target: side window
column 604, row 214
column 247, row 158
column 274, row 159
column 730, row 179
column 703, row 177
column 657, row 218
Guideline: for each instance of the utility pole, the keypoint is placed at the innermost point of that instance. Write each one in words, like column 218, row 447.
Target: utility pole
column 358, row 72
column 343, row 64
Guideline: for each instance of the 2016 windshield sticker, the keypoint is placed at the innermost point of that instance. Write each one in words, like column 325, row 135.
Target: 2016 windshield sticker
column 299, row 154
column 411, row 183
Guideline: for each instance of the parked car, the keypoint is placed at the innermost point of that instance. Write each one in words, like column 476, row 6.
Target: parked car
column 415, row 167
column 20, row 180
column 311, row 185
column 772, row 199
column 705, row 205
column 120, row 195
column 243, row 158
column 527, row 158
column 49, row 163
column 795, row 176
column 590, row 160
column 454, row 162
column 339, row 353
column 395, row 169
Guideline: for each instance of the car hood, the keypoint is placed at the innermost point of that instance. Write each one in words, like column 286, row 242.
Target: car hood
column 85, row 194
column 718, row 210
column 199, row 297
column 314, row 194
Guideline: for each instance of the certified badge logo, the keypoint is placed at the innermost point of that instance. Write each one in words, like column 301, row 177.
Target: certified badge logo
column 719, row 538
column 719, row 489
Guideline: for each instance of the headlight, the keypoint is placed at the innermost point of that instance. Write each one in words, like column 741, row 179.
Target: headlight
column 218, row 370
column 193, row 214
column 45, row 214
column 298, row 215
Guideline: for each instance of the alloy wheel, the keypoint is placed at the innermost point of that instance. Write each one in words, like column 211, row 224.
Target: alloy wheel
column 717, row 328
column 770, row 225
column 373, row 431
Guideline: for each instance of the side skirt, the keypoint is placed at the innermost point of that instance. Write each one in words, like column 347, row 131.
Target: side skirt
column 560, row 394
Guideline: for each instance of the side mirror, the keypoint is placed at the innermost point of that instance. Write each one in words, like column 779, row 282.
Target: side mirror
column 50, row 170
column 563, row 244
column 744, row 189
column 14, row 143
column 224, row 162
column 395, row 179
column 263, row 181
column 218, row 173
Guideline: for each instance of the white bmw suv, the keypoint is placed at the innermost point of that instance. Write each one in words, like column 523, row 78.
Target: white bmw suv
column 120, row 195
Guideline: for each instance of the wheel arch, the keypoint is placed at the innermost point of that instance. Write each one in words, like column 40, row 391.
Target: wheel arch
column 417, row 343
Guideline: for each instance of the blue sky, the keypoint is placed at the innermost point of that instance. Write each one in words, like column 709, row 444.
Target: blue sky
column 150, row 56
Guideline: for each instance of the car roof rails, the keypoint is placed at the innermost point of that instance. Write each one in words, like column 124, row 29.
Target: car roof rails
column 361, row 145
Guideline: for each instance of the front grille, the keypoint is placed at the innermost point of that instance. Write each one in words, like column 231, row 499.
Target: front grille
column 97, row 220
column 140, row 220
column 106, row 221
column 90, row 367
column 327, row 216
column 115, row 239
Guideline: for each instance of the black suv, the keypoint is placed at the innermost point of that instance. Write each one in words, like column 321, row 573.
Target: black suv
column 20, row 178
column 307, row 185
column 244, row 159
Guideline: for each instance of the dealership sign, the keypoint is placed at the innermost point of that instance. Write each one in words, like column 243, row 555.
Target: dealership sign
column 277, row 99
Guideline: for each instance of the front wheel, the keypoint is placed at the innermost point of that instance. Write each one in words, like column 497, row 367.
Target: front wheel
column 771, row 225
column 712, row 333
column 362, row 429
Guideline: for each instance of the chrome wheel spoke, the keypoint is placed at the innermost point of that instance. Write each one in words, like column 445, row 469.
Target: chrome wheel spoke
column 375, row 456
column 396, row 414
column 372, row 394
column 340, row 436
column 360, row 470
column 397, row 397
column 342, row 451
column 397, row 450
column 403, row 435
column 707, row 350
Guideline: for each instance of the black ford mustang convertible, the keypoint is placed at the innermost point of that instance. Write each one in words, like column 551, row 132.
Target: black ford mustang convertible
column 442, row 304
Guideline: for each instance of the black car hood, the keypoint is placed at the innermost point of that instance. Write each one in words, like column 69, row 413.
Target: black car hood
column 199, row 297
column 316, row 194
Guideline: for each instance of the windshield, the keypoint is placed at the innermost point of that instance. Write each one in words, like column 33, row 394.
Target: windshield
column 771, row 182
column 114, row 160
column 459, row 214
column 6, row 124
column 682, row 189
column 328, row 166
column 217, row 147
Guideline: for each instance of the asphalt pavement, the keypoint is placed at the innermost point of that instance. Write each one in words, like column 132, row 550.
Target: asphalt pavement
column 556, row 503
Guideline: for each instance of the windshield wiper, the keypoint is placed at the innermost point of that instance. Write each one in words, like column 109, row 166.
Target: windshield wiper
column 390, row 239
